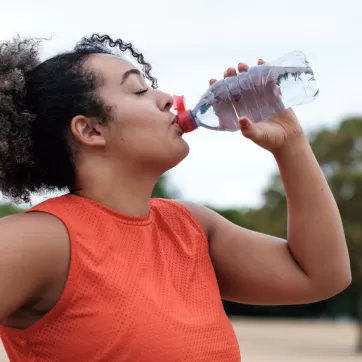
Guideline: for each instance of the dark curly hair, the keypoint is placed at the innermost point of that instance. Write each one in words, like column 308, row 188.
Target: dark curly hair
column 38, row 101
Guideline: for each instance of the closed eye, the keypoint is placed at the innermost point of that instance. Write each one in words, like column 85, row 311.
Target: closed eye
column 142, row 91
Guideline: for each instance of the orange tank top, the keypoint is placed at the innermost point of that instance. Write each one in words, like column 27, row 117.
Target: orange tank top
column 138, row 289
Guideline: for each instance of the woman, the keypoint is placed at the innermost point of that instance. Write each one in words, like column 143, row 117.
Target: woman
column 104, row 273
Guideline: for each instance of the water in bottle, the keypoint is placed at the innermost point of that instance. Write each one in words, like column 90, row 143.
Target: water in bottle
column 258, row 94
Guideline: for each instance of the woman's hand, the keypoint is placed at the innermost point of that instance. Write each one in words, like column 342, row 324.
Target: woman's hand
column 273, row 133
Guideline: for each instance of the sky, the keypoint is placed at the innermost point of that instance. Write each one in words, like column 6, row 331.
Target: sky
column 190, row 42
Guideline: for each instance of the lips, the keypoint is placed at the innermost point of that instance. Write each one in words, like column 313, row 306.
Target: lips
column 174, row 121
column 175, row 124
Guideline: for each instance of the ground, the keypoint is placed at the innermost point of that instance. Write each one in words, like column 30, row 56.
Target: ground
column 291, row 341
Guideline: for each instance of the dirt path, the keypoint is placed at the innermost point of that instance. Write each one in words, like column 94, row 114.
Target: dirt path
column 290, row 341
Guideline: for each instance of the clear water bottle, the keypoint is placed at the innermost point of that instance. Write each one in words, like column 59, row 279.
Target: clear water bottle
column 258, row 94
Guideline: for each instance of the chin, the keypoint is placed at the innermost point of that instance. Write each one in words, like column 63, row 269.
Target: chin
column 178, row 155
column 184, row 150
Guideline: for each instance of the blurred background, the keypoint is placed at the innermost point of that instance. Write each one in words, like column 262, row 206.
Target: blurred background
column 190, row 42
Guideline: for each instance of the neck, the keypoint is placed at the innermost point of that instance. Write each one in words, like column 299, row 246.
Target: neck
column 123, row 190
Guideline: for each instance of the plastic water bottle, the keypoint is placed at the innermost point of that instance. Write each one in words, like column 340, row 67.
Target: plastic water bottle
column 258, row 94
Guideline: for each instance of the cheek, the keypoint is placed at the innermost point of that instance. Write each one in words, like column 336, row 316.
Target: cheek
column 145, row 142
column 148, row 147
column 141, row 119
column 140, row 131
column 143, row 122
column 139, row 139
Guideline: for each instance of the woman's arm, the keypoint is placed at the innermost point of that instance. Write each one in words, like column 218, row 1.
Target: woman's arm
column 312, row 265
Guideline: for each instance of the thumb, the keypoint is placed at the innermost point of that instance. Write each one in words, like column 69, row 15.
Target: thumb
column 248, row 129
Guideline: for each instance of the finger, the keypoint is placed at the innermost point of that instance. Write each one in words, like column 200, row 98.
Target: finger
column 231, row 72
column 261, row 62
column 244, row 123
column 212, row 81
column 249, row 129
column 242, row 67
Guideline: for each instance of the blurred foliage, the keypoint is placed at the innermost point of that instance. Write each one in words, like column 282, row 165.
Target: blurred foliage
column 164, row 190
column 8, row 209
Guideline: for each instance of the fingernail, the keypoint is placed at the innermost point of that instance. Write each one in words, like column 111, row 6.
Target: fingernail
column 244, row 123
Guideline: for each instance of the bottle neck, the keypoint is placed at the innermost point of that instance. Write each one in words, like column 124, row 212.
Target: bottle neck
column 186, row 121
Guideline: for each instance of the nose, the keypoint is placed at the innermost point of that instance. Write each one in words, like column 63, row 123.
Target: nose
column 165, row 101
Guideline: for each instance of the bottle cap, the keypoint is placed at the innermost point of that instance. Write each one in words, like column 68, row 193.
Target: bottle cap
column 184, row 118
column 179, row 103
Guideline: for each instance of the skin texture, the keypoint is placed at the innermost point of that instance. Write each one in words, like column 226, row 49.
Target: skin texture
column 118, row 164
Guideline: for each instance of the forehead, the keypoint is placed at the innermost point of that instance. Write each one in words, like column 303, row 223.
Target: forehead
column 109, row 66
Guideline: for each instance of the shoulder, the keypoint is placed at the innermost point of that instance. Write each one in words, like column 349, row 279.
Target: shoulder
column 34, row 251
column 33, row 225
column 33, row 237
column 181, row 211
column 181, row 207
column 207, row 218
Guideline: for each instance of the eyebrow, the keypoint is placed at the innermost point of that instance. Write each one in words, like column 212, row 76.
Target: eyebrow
column 127, row 74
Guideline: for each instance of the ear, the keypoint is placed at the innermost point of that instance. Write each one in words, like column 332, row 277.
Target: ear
column 88, row 131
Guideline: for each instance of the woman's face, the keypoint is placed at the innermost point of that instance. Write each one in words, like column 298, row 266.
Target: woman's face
column 143, row 132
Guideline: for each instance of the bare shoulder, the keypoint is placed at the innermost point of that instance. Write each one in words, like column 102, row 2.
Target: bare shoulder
column 32, row 220
column 34, row 232
column 34, row 249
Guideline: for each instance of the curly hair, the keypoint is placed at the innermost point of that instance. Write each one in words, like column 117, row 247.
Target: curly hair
column 37, row 102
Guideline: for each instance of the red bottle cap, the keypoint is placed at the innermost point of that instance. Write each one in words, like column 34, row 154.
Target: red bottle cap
column 184, row 117
column 179, row 103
